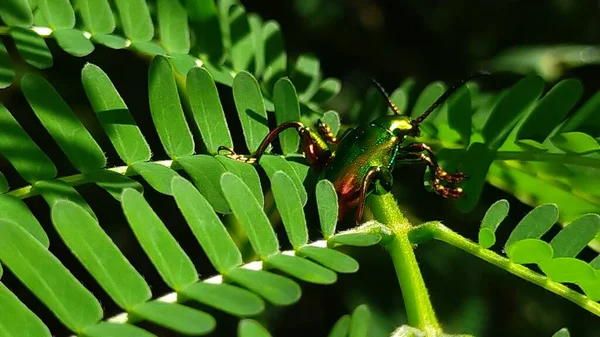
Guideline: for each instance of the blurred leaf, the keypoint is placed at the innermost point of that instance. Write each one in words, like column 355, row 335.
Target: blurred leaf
column 47, row 278
column 332, row 119
column 289, row 205
column 529, row 251
column 360, row 322
column 550, row 111
column 327, row 89
column 73, row 42
column 475, row 163
column 341, row 327
column 106, row 329
column 225, row 297
column 68, row 131
column 509, row 109
column 149, row 47
column 14, row 143
column 32, row 47
column 251, row 328
column 355, row 239
column 287, row 109
column 306, row 76
column 166, row 110
column 273, row 163
column 16, row 210
column 99, row 255
column 249, row 213
column 258, row 44
column 302, row 269
column 206, row 226
column 242, row 44
column 58, row 13
column 165, row 253
column 97, row 16
column 431, row 93
column 330, row 258
column 111, row 41
column 327, row 203
column 575, row 236
column 113, row 182
column 206, row 172
column 575, row 142
column 207, row 110
column 3, row 184
column 21, row 321
column 275, row 288
column 459, row 112
column 16, row 13
column 157, row 175
column 173, row 26
column 251, row 109
column 207, row 31
column 492, row 219
column 567, row 270
column 586, row 119
column 176, row 317
column 135, row 20
column 562, row 333
column 275, row 55
column 7, row 72
column 534, row 224
column 114, row 116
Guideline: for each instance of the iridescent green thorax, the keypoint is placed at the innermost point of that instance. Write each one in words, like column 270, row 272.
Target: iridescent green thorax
column 400, row 126
column 361, row 148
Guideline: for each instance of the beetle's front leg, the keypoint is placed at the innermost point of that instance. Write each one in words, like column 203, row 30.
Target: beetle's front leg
column 325, row 132
column 431, row 161
column 314, row 148
column 439, row 175
column 382, row 178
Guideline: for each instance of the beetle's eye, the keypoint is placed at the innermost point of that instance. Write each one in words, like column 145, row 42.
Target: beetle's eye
column 415, row 132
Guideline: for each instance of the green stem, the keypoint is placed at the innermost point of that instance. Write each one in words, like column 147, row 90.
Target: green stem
column 440, row 232
column 419, row 310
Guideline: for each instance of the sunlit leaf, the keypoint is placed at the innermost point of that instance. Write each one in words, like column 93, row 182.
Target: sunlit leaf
column 225, row 297
column 251, row 109
column 176, row 317
column 327, row 203
column 21, row 321
column 57, row 13
column 287, row 109
column 32, row 47
column 302, row 269
column 97, row 16
column 16, row 13
column 275, row 288
column 529, row 251
column 534, row 224
column 360, row 322
column 173, row 26
column 289, row 205
column 135, row 19
column 251, row 328
column 492, row 219
column 575, row 236
column 341, row 327
column 567, row 270
column 330, row 258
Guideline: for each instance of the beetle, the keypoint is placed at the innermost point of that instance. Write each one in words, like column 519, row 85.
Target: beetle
column 362, row 160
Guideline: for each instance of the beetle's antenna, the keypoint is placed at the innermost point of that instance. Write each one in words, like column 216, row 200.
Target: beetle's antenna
column 387, row 97
column 445, row 96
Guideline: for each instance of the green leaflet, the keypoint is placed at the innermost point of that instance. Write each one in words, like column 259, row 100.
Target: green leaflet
column 68, row 131
column 176, row 317
column 275, row 55
column 289, row 205
column 206, row 226
column 157, row 175
column 7, row 71
column 21, row 321
column 135, row 19
column 207, row 110
column 206, row 172
column 341, row 327
column 57, row 288
column 114, row 116
column 32, row 47
column 166, row 110
column 242, row 41
column 113, row 182
column 54, row 191
column 97, row 16
column 16, row 210
column 99, row 255
column 355, row 239
column 16, row 13
column 15, row 142
column 287, row 109
column 110, row 41
column 251, row 109
column 251, row 328
column 171, row 262
column 173, row 26
column 250, row 214
column 575, row 236
column 225, row 297
column 529, row 251
column 273, row 163
column 275, row 288
column 105, row 329
column 360, row 321
column 330, row 258
column 534, row 224
column 57, row 13
column 327, row 204
column 306, row 76
column 302, row 269
column 491, row 221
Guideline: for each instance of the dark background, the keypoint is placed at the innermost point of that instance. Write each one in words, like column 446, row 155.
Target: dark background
column 354, row 40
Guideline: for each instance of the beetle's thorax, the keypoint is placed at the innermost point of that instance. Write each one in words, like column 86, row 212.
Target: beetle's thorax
column 399, row 126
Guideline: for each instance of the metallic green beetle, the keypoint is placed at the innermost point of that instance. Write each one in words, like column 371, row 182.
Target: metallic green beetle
column 361, row 161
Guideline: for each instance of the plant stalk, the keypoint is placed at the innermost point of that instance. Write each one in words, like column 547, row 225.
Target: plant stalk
column 419, row 309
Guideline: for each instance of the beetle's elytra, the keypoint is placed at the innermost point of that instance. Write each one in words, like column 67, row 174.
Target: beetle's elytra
column 360, row 162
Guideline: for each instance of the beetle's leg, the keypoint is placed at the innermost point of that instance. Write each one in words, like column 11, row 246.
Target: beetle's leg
column 315, row 149
column 430, row 160
column 438, row 184
column 325, row 132
column 382, row 178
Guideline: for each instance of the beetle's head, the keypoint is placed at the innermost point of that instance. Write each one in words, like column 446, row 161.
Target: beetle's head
column 398, row 125
column 402, row 126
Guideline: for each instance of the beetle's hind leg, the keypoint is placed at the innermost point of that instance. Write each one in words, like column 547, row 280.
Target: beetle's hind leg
column 315, row 149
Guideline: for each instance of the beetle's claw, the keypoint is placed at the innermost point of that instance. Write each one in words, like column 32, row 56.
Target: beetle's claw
column 447, row 192
column 238, row 157
column 450, row 177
